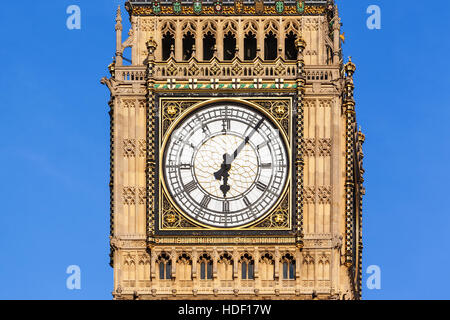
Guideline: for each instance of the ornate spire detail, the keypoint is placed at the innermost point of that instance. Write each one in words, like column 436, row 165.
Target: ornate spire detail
column 119, row 20
column 350, row 67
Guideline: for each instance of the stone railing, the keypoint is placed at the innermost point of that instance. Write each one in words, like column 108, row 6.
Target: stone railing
column 130, row 73
column 249, row 71
column 226, row 69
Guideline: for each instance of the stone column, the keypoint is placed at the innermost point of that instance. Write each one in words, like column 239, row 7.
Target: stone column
column 240, row 37
column 119, row 28
column 219, row 40
column 199, row 41
column 260, row 39
column 178, row 42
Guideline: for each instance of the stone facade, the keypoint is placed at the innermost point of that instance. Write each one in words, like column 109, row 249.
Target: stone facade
column 316, row 251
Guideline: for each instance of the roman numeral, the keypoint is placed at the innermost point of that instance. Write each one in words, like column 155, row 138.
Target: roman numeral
column 205, row 201
column 226, row 206
column 261, row 186
column 191, row 186
column 266, row 166
column 226, row 125
column 262, row 145
column 205, row 130
column 247, row 202
column 185, row 166
column 189, row 144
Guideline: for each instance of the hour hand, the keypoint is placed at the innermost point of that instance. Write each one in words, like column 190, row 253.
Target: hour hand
column 223, row 173
column 224, row 168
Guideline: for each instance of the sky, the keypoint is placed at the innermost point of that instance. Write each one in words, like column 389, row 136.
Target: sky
column 55, row 148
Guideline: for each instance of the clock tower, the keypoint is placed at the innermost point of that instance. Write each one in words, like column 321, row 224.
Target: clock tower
column 236, row 162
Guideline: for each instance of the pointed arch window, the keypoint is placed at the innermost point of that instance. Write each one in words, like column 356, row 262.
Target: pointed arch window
column 209, row 44
column 229, row 46
column 168, row 44
column 250, row 47
column 270, row 46
column 288, row 262
column 165, row 267
column 188, row 45
column 247, row 267
column 289, row 46
column 206, row 266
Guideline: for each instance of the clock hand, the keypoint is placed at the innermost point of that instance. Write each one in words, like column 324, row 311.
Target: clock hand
column 223, row 172
column 246, row 140
column 228, row 159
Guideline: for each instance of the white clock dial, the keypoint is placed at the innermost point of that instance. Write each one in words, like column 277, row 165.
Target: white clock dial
column 225, row 165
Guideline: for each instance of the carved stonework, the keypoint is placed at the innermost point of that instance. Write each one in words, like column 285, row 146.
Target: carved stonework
column 129, row 103
column 142, row 148
column 324, row 147
column 324, row 195
column 129, row 195
column 280, row 110
column 171, row 111
column 141, row 196
column 317, row 147
column 309, row 147
column 171, row 219
column 310, row 195
column 279, row 218
column 129, row 148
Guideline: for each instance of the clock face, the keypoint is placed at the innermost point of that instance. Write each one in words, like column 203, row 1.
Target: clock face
column 225, row 165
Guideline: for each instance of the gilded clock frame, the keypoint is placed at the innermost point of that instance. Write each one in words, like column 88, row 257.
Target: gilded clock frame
column 182, row 221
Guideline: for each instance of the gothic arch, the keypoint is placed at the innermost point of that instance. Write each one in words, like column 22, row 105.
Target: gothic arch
column 291, row 26
column 164, row 263
column 225, row 266
column 129, row 267
column 168, row 26
column 209, row 26
column 267, row 267
column 288, row 265
column 184, row 267
column 143, row 267
column 250, row 26
column 308, row 270
column 271, row 25
column 323, row 272
column 247, row 267
column 229, row 26
column 188, row 26
column 206, row 265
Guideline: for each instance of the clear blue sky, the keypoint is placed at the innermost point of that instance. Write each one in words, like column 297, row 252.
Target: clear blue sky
column 55, row 146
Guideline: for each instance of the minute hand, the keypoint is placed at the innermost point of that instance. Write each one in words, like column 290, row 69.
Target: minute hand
column 228, row 159
column 244, row 143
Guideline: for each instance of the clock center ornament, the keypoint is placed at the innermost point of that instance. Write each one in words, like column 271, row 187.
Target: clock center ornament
column 225, row 165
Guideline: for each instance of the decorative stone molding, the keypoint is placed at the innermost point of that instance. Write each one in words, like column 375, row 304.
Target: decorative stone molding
column 142, row 148
column 319, row 194
column 142, row 195
column 317, row 147
column 310, row 195
column 129, row 103
column 324, row 194
column 324, row 147
column 129, row 148
column 129, row 195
